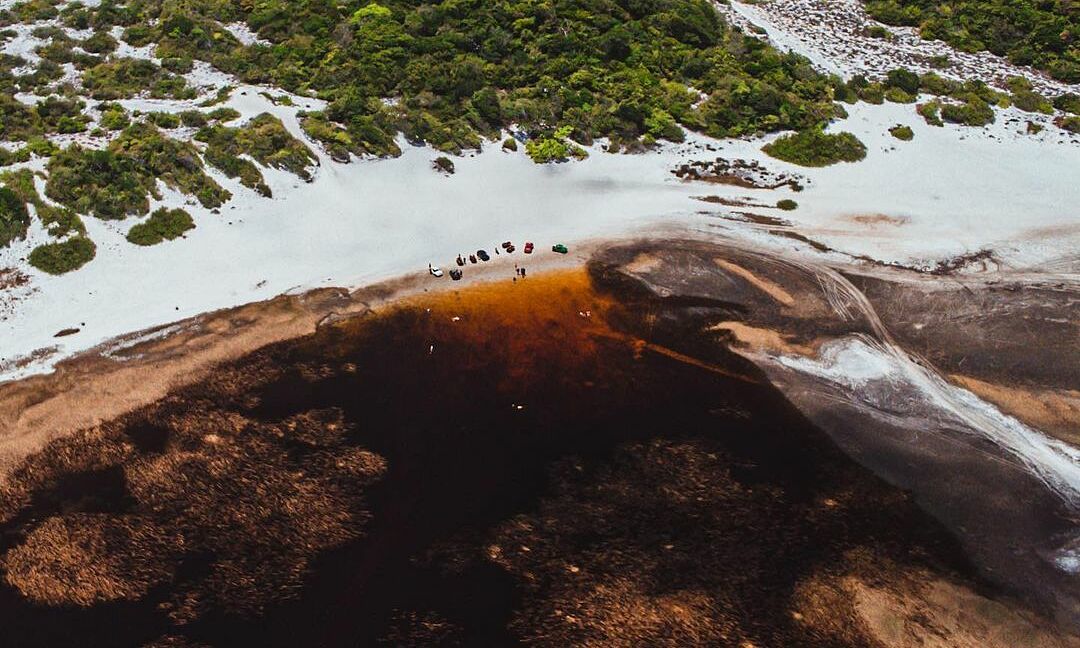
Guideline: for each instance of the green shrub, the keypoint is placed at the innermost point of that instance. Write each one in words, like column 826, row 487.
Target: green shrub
column 114, row 117
column 1070, row 123
column 164, row 120
column 163, row 225
column 554, row 147
column 817, row 148
column 896, row 95
column 119, row 180
column 931, row 112
column 510, row 144
column 63, row 257
column 1030, row 101
column 443, row 164
column 265, row 139
column 905, row 80
column 1040, row 34
column 1068, row 102
column 787, row 204
column 901, row 132
column 14, row 217
column 877, row 31
column 974, row 112
column 193, row 119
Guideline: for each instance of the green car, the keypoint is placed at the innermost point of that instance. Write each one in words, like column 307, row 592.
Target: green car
column 560, row 248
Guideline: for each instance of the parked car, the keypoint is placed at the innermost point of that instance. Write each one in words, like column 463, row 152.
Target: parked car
column 472, row 258
column 528, row 247
column 435, row 271
column 460, row 260
column 483, row 256
column 507, row 245
column 510, row 249
column 455, row 274
column 560, row 248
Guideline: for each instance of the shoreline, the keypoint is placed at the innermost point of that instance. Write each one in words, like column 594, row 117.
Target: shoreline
column 448, row 402
column 134, row 370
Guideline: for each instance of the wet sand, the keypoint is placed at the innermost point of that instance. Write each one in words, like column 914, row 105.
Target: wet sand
column 572, row 459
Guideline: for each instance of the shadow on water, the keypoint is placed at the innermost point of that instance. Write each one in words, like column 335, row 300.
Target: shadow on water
column 471, row 416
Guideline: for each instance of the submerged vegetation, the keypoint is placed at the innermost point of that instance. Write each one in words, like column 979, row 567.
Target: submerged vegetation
column 816, row 148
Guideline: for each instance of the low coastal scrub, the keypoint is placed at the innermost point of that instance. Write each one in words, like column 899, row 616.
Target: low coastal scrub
column 787, row 204
column 449, row 75
column 63, row 257
column 554, row 147
column 265, row 139
column 14, row 217
column 443, row 164
column 124, row 78
column 816, row 148
column 902, row 132
column 1040, row 34
column 58, row 221
column 118, row 181
column 163, row 225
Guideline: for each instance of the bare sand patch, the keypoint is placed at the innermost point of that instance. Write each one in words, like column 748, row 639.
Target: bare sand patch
column 764, row 285
column 762, row 339
column 879, row 219
column 642, row 264
column 1054, row 411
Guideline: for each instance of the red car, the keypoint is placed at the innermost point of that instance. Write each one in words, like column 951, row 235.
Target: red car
column 528, row 247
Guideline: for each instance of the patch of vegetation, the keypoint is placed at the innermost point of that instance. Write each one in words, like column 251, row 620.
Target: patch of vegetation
column 973, row 112
column 554, row 147
column 787, row 204
column 902, row 132
column 1042, row 34
column 510, row 144
column 125, row 78
column 163, row 225
column 14, row 217
column 265, row 139
column 63, row 257
column 443, row 164
column 877, row 31
column 449, row 73
column 816, row 148
column 118, row 181
column 164, row 120
column 931, row 112
column 1070, row 123
column 1068, row 102
column 58, row 221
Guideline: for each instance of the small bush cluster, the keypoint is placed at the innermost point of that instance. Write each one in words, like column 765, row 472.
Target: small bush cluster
column 902, row 132
column 816, row 148
column 163, row 225
column 63, row 257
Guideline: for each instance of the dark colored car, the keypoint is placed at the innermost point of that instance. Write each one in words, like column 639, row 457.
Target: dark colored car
column 560, row 248
column 455, row 274
column 507, row 245
column 483, row 256
column 460, row 260
column 472, row 258
column 528, row 247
